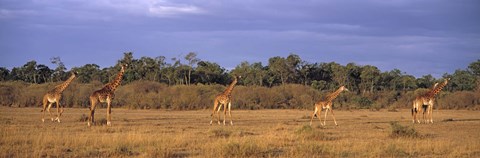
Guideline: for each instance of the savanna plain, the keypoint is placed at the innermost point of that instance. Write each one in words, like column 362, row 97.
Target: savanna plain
column 255, row 133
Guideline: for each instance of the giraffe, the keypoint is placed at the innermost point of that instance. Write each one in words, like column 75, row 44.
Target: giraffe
column 224, row 99
column 54, row 96
column 424, row 103
column 327, row 105
column 106, row 94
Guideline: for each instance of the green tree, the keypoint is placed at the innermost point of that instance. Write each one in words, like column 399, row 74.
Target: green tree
column 408, row 82
column 394, row 79
column 278, row 68
column 29, row 71
column 208, row 73
column 474, row 68
column 4, row 73
column 160, row 60
column 59, row 72
column 293, row 65
column 44, row 73
column 244, row 69
column 148, row 68
column 16, row 74
column 88, row 73
column 304, row 71
column 132, row 71
column 353, row 79
column 339, row 73
column 463, row 80
column 259, row 71
column 370, row 76
column 425, row 81
column 172, row 72
column 192, row 60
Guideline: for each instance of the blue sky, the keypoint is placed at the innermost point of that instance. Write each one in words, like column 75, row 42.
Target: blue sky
column 416, row 36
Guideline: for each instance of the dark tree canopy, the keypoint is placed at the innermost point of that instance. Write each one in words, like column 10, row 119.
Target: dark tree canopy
column 279, row 70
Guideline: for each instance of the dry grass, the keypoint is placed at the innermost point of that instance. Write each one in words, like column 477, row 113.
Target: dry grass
column 259, row 133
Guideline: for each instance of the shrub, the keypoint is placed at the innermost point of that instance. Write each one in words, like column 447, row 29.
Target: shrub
column 144, row 94
column 394, row 151
column 246, row 149
column 124, row 150
column 399, row 131
column 363, row 102
column 458, row 100
column 221, row 133
column 83, row 118
column 308, row 133
column 309, row 149
column 304, row 129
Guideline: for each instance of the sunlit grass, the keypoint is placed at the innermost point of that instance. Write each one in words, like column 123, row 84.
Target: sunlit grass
column 260, row 133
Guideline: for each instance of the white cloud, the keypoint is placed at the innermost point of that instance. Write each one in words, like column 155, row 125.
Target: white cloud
column 173, row 10
column 8, row 13
column 156, row 8
column 340, row 26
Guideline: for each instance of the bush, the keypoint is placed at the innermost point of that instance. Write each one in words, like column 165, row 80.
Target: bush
column 221, row 133
column 458, row 100
column 363, row 102
column 144, row 94
column 246, row 149
column 399, row 131
column 308, row 133
column 393, row 151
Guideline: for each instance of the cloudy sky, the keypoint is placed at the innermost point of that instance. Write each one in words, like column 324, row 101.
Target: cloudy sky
column 416, row 36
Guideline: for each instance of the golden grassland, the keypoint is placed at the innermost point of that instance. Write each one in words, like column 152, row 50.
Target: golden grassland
column 256, row 133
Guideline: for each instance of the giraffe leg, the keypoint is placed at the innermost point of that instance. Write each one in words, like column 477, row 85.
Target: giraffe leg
column 424, row 117
column 419, row 110
column 215, row 104
column 58, row 111
column 45, row 102
column 61, row 110
column 325, row 120
column 218, row 112
column 230, row 112
column 431, row 112
column 225, row 113
column 61, row 107
column 319, row 115
column 413, row 112
column 109, row 112
column 48, row 109
column 333, row 115
column 91, row 119
column 313, row 115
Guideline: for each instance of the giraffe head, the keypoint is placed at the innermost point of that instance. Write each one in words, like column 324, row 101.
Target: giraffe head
column 343, row 88
column 435, row 85
column 74, row 73
column 123, row 66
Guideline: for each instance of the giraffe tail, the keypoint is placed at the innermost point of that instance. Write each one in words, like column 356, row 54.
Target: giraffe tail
column 414, row 110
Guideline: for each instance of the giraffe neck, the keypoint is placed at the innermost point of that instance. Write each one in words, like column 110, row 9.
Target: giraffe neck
column 437, row 89
column 116, row 82
column 334, row 95
column 60, row 88
column 229, row 89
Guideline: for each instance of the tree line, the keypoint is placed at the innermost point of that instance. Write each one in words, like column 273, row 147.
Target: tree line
column 278, row 71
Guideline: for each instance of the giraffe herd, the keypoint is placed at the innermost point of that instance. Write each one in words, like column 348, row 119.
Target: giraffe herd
column 421, row 104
